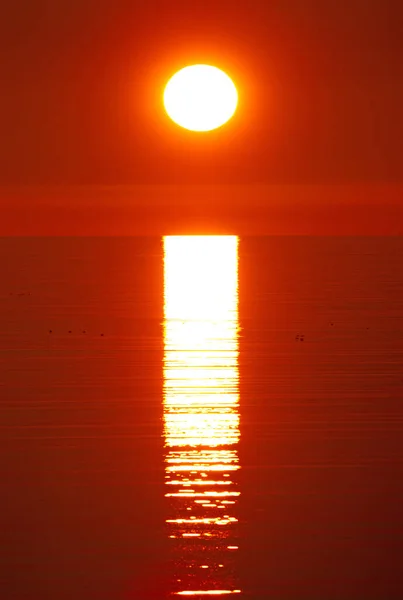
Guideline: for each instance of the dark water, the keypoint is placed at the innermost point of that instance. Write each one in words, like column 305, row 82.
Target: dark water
column 308, row 355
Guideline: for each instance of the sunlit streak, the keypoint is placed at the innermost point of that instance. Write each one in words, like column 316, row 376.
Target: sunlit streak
column 209, row 593
column 201, row 410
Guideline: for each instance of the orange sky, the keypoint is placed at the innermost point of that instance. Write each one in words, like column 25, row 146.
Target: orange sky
column 320, row 104
column 240, row 209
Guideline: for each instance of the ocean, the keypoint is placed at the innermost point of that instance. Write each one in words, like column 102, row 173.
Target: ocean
column 200, row 416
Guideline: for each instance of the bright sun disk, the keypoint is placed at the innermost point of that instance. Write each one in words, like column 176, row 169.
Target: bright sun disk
column 200, row 98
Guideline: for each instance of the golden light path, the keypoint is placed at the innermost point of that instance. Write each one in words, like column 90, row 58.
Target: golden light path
column 201, row 411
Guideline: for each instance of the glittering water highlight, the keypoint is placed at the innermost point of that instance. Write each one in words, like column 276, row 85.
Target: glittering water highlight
column 201, row 411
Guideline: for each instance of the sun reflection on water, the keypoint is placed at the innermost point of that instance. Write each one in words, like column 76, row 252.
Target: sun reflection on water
column 201, row 410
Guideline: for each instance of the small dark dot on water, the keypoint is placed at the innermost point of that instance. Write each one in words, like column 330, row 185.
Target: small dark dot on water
column 84, row 331
column 69, row 331
column 50, row 331
column 102, row 334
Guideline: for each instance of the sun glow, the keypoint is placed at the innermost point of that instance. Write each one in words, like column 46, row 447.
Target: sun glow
column 200, row 98
column 201, row 410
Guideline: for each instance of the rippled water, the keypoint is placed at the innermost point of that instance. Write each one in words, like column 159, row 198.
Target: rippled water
column 201, row 411
column 201, row 416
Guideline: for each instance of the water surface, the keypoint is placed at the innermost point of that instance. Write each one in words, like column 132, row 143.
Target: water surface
column 138, row 373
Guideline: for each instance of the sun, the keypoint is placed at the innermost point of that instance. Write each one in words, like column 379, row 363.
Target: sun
column 200, row 98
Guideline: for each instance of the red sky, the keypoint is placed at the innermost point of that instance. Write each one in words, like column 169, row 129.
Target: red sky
column 319, row 126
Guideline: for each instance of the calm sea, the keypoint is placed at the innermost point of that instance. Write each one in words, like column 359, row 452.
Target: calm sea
column 201, row 416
